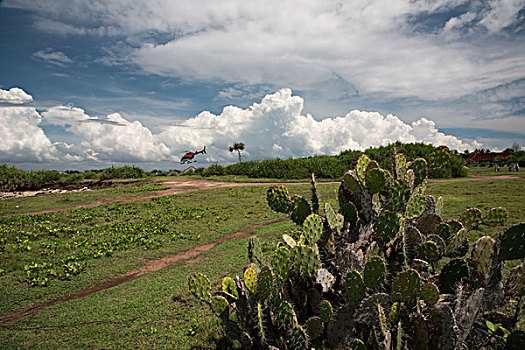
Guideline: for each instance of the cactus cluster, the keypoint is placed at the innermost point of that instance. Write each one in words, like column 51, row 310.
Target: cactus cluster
column 385, row 271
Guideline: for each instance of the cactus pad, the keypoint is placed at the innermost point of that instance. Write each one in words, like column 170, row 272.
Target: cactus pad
column 416, row 206
column 260, row 323
column 438, row 208
column 428, row 223
column 289, row 240
column 429, row 293
column 301, row 210
column 455, row 226
column 444, row 231
column 516, row 281
column 362, row 165
column 439, row 242
column 250, row 279
column 325, row 279
column 298, row 339
column 452, row 275
column 254, row 250
column 314, row 327
column 401, row 165
column 413, row 240
column 374, row 272
column 393, row 315
column 305, row 260
column 471, row 218
column 265, row 283
column 387, row 225
column 284, row 313
column 410, row 178
column 482, row 253
column 326, row 311
column 219, row 304
column 312, row 228
column 229, row 287
column 512, row 244
column 357, row 344
column 350, row 214
column 496, row 216
column 355, row 288
column 375, row 180
column 399, row 194
column 279, row 199
column 383, row 325
column 419, row 166
column 351, row 182
column 456, row 243
column 200, row 286
column 429, row 251
column 281, row 263
column 406, row 286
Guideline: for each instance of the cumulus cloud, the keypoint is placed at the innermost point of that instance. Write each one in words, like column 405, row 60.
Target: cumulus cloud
column 113, row 138
column 15, row 95
column 22, row 139
column 276, row 127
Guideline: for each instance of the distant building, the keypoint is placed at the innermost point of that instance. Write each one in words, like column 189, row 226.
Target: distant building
column 188, row 170
column 488, row 157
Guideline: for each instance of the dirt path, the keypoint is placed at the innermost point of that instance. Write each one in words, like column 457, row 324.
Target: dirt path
column 177, row 186
column 146, row 269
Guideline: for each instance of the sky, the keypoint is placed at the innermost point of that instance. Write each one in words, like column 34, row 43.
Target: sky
column 86, row 84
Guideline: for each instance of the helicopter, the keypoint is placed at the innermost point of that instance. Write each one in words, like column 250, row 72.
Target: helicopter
column 188, row 156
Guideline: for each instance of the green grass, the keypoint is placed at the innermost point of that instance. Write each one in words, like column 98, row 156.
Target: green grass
column 157, row 311
column 484, row 171
column 125, row 189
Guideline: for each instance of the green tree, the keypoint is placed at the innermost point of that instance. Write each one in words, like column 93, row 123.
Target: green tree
column 239, row 147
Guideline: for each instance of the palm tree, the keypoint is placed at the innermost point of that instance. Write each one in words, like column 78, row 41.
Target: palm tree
column 237, row 146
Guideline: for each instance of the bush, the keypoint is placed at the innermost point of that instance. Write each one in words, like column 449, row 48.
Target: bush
column 125, row 172
column 333, row 167
column 214, row 170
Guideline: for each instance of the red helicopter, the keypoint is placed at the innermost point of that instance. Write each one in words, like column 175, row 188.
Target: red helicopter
column 188, row 157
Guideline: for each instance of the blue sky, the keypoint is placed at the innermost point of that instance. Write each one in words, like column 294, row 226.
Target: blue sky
column 139, row 82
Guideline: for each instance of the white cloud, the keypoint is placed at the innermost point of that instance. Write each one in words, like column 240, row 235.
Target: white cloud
column 22, row 139
column 502, row 13
column 373, row 44
column 15, row 95
column 113, row 138
column 276, row 127
column 56, row 58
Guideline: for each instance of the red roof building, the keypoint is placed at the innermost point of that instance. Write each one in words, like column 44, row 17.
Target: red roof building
column 480, row 157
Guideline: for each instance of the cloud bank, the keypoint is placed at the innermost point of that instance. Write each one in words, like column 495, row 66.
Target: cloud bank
column 275, row 127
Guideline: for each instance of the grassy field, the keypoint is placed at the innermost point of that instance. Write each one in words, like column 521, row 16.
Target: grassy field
column 122, row 188
column 484, row 171
column 80, row 248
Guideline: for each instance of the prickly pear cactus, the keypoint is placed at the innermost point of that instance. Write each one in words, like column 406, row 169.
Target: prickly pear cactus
column 406, row 286
column 279, row 199
column 383, row 271
column 355, row 288
column 374, row 272
column 312, row 228
column 200, row 286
